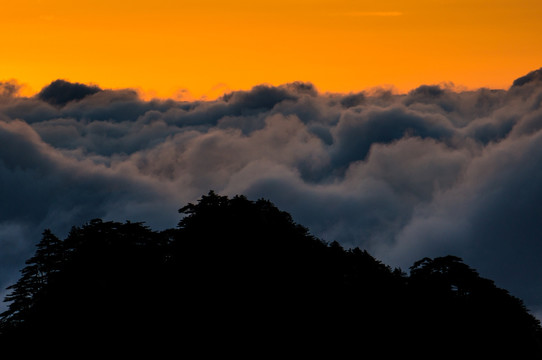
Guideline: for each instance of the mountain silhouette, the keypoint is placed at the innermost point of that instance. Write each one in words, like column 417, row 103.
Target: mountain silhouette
column 240, row 276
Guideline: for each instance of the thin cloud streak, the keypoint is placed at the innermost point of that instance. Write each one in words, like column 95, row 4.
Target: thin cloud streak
column 372, row 13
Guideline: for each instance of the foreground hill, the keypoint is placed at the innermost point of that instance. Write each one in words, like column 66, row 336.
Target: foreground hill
column 236, row 275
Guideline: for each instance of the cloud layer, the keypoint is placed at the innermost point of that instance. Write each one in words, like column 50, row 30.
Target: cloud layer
column 428, row 173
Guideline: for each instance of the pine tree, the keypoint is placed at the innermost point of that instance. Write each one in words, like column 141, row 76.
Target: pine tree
column 35, row 277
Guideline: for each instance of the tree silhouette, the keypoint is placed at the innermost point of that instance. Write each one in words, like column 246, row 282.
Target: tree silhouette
column 35, row 277
column 453, row 304
column 238, row 274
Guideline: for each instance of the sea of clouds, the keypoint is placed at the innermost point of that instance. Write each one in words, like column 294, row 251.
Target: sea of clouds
column 429, row 173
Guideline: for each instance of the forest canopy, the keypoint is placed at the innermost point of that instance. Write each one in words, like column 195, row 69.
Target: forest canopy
column 236, row 270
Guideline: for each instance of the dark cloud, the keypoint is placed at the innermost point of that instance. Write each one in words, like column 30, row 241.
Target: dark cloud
column 259, row 98
column 533, row 76
column 9, row 88
column 356, row 133
column 352, row 100
column 428, row 173
column 61, row 92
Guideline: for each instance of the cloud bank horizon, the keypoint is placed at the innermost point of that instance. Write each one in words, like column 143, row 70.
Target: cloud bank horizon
column 431, row 172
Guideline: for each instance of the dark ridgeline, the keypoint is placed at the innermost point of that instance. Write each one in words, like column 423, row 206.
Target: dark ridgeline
column 241, row 277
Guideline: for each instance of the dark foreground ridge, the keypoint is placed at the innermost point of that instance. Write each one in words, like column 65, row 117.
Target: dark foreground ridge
column 240, row 276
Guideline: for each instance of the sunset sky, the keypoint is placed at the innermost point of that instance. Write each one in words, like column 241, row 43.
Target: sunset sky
column 193, row 48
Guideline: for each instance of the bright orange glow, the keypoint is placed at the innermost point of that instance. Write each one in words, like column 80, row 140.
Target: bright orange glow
column 194, row 48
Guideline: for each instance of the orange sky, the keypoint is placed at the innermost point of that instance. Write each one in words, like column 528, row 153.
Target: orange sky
column 193, row 48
